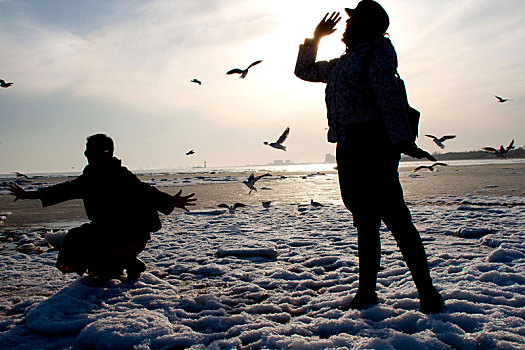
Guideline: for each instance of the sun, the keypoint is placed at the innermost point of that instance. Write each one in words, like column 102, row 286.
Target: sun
column 331, row 47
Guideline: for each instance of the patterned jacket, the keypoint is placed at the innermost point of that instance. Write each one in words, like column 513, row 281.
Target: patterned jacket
column 360, row 87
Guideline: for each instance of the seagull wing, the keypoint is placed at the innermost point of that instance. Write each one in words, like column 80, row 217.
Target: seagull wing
column 284, row 135
column 2, row 82
column 224, row 205
column 253, row 64
column 251, row 178
column 490, row 149
column 510, row 146
column 431, row 136
column 235, row 71
column 447, row 137
column 500, row 99
column 442, row 164
column 239, row 205
column 260, row 177
column 420, row 167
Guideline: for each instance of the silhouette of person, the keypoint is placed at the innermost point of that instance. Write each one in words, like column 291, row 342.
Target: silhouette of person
column 122, row 211
column 367, row 121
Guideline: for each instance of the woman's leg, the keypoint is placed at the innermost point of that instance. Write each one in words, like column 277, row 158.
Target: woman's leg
column 354, row 182
column 396, row 216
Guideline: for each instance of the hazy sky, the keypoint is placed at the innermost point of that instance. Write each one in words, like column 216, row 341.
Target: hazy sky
column 123, row 67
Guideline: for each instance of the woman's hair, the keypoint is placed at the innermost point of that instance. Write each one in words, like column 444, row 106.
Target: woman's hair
column 368, row 21
column 361, row 30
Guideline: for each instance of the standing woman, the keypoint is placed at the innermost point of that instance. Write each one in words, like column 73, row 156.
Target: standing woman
column 367, row 120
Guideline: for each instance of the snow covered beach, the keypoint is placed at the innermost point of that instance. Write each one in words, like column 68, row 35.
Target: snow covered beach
column 274, row 278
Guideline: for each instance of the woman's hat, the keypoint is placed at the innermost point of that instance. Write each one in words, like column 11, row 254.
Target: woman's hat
column 370, row 10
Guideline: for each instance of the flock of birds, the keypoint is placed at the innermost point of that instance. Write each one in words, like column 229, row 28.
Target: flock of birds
column 500, row 152
column 243, row 72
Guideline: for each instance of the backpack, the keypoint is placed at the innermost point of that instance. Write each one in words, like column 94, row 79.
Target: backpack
column 413, row 115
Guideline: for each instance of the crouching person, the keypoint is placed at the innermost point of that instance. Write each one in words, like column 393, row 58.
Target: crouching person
column 122, row 210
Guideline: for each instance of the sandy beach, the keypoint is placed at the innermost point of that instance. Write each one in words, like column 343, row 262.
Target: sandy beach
column 505, row 179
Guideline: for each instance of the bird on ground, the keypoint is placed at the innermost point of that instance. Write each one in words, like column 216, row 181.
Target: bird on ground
column 252, row 180
column 22, row 175
column 242, row 72
column 501, row 99
column 279, row 143
column 231, row 208
column 266, row 204
column 429, row 167
column 315, row 204
column 502, row 151
column 439, row 141
column 196, row 81
column 4, row 84
column 190, row 152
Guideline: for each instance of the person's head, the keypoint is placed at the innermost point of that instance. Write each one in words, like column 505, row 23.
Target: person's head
column 99, row 147
column 367, row 22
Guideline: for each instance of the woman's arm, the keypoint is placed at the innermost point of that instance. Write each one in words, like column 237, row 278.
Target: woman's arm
column 306, row 68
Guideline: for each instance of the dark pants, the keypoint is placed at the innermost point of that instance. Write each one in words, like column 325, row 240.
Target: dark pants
column 104, row 252
column 370, row 189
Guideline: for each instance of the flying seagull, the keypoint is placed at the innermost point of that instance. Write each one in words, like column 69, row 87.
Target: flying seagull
column 196, row 81
column 429, row 167
column 266, row 204
column 501, row 99
column 243, row 72
column 190, row 152
column 4, row 84
column 231, row 208
column 252, row 180
column 502, row 151
column 22, row 175
column 439, row 141
column 279, row 143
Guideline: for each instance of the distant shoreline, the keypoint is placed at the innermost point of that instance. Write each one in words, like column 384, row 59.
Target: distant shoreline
column 518, row 154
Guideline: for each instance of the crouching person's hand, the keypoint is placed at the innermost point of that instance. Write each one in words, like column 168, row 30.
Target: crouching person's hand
column 412, row 150
column 182, row 202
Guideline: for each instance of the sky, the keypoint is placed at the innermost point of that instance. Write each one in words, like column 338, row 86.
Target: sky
column 123, row 67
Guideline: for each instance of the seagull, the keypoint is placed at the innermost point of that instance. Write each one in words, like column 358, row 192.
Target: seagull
column 266, row 204
column 231, row 208
column 252, row 180
column 243, row 72
column 502, row 151
column 196, row 81
column 315, row 204
column 429, row 167
column 439, row 141
column 279, row 143
column 22, row 175
column 501, row 99
column 4, row 84
column 190, row 152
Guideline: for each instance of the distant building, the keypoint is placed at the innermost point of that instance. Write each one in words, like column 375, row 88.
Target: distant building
column 329, row 158
column 281, row 162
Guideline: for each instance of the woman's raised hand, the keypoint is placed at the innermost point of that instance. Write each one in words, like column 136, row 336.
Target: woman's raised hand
column 326, row 26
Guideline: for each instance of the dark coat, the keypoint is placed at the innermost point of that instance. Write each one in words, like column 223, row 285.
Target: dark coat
column 114, row 198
